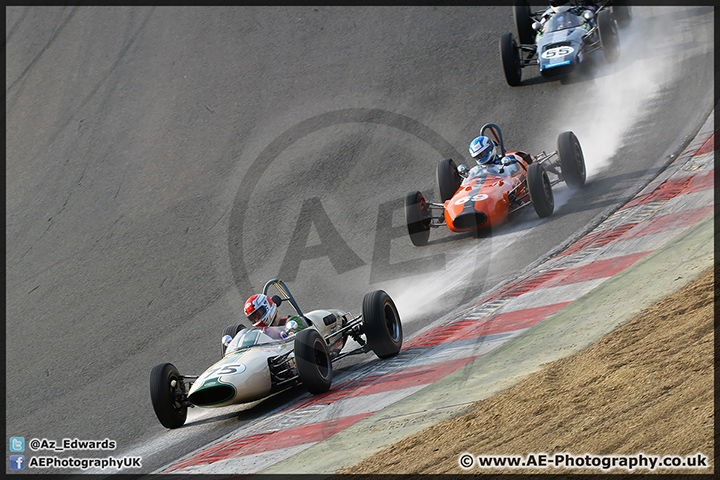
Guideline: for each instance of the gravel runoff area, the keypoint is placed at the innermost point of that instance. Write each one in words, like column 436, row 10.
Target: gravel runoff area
column 647, row 388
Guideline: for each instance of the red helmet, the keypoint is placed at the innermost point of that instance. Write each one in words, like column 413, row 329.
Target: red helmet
column 260, row 310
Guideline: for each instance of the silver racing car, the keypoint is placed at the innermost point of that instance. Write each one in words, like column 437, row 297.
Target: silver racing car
column 259, row 361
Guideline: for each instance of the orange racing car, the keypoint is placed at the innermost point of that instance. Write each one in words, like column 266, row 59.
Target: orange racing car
column 497, row 188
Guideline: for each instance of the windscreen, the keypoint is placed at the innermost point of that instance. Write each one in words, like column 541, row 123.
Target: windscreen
column 249, row 337
column 562, row 21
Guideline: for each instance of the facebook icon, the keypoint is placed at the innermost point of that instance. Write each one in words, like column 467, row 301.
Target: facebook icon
column 17, row 462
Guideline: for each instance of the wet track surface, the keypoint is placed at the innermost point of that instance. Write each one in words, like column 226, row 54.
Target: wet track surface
column 162, row 163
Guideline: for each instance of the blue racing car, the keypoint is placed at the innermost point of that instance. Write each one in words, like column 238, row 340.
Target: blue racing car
column 559, row 38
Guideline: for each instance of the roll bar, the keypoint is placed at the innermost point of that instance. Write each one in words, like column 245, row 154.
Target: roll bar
column 495, row 130
column 284, row 293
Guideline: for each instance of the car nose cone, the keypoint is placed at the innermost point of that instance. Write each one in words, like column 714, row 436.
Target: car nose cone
column 470, row 220
column 212, row 394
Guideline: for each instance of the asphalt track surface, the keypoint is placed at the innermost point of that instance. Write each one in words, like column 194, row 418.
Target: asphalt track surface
column 160, row 162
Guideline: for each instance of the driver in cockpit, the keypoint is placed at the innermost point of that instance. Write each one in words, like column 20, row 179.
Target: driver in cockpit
column 555, row 7
column 262, row 313
column 484, row 151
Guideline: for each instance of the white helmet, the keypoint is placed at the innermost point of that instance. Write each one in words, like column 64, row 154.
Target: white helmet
column 260, row 310
column 482, row 149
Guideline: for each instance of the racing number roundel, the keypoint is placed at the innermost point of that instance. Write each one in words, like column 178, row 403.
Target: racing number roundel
column 474, row 198
column 230, row 369
column 557, row 52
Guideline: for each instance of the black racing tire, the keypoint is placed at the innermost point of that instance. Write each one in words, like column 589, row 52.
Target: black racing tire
column 510, row 56
column 622, row 12
column 417, row 218
column 523, row 22
column 381, row 323
column 231, row 330
column 609, row 36
column 448, row 179
column 541, row 193
column 572, row 160
column 312, row 359
column 168, row 408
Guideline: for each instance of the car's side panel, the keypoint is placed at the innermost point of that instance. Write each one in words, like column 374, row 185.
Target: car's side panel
column 328, row 322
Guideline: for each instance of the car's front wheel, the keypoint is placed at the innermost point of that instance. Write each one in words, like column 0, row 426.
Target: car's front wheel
column 572, row 161
column 609, row 36
column 417, row 217
column 541, row 193
column 166, row 395
column 381, row 323
column 312, row 359
column 510, row 56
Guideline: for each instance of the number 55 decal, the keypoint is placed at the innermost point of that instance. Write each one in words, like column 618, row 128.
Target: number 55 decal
column 474, row 198
column 558, row 52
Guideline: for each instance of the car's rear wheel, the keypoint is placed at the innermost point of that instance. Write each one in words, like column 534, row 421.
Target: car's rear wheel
column 572, row 161
column 166, row 395
column 622, row 13
column 523, row 22
column 541, row 193
column 448, row 179
column 381, row 323
column 231, row 330
column 510, row 55
column 609, row 36
column 417, row 217
column 312, row 359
